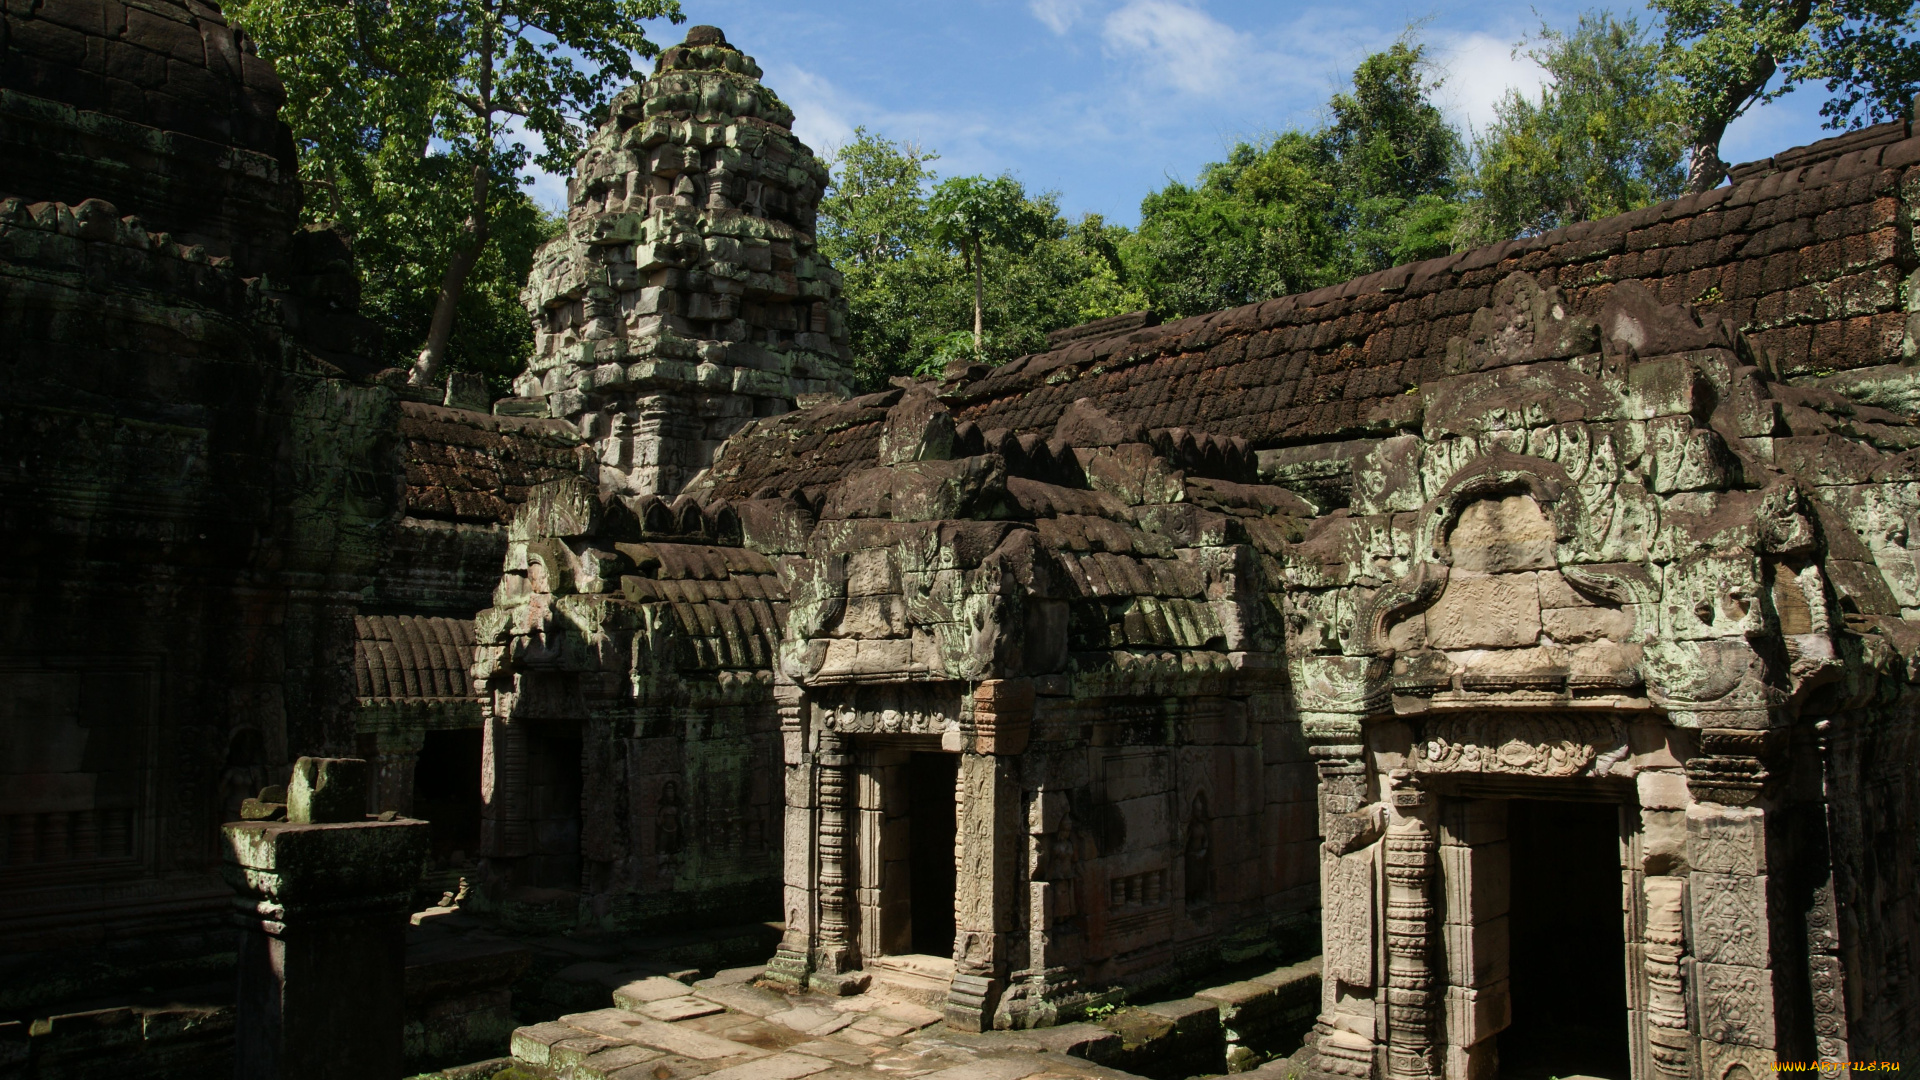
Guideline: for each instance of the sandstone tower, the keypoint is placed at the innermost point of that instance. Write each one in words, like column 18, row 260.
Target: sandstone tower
column 686, row 296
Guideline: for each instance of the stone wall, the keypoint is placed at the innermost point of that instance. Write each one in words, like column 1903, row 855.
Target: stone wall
column 194, row 493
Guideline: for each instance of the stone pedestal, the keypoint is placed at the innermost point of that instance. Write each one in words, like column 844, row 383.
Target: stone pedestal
column 322, row 966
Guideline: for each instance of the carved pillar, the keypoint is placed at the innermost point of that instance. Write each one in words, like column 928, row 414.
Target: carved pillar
column 1344, row 1037
column 503, row 789
column 1053, row 941
column 1730, row 915
column 990, row 846
column 1826, row 973
column 835, row 960
column 1413, row 986
column 1669, row 1042
column 790, row 962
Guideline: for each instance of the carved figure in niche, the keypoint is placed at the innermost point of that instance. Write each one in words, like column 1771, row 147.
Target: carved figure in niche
column 1199, row 854
column 1061, row 861
column 669, row 835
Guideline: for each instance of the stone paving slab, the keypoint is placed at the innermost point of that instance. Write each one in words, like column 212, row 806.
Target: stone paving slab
column 729, row 1028
column 787, row 1066
column 684, row 1007
column 674, row 1039
column 741, row 997
column 642, row 991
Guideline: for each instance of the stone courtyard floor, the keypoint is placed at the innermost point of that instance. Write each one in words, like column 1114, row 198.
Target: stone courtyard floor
column 728, row 1028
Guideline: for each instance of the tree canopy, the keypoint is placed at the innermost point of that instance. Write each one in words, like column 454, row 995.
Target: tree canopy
column 1601, row 137
column 1724, row 56
column 925, row 258
column 412, row 116
column 415, row 117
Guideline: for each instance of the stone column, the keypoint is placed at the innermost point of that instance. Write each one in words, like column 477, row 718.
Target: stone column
column 1413, row 986
column 1730, row 912
column 791, row 962
column 1345, row 1038
column 835, row 960
column 323, row 899
column 1826, row 971
column 990, row 845
column 504, row 832
column 1669, row 1043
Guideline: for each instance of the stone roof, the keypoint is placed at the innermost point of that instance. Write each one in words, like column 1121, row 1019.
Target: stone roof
column 412, row 658
column 1807, row 258
column 476, row 467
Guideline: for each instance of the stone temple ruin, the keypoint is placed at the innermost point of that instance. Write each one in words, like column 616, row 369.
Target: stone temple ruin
column 1531, row 633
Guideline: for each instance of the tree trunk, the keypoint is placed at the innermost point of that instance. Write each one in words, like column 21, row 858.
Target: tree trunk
column 426, row 369
column 979, row 277
column 1705, row 170
column 473, row 241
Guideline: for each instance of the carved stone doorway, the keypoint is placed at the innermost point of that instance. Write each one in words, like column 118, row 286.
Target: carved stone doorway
column 553, row 805
column 933, row 827
column 1566, row 943
column 446, row 791
column 906, row 847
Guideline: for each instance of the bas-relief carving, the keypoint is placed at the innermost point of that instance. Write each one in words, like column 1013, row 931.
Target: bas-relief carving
column 1729, row 918
column 1347, row 919
column 1734, row 1004
column 1524, row 745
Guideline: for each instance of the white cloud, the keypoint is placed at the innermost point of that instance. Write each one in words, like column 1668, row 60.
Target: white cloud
column 824, row 116
column 1479, row 68
column 1175, row 44
column 1058, row 15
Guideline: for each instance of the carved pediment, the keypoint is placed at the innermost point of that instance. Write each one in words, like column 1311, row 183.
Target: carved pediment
column 1524, row 323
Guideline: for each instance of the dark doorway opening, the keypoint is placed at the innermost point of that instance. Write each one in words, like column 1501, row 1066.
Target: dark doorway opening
column 446, row 792
column 553, row 780
column 1567, row 945
column 934, row 826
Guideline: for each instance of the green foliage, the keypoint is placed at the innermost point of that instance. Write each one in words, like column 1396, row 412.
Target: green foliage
column 1391, row 157
column 1604, row 136
column 410, row 117
column 904, row 240
column 1724, row 56
column 1372, row 189
column 401, row 256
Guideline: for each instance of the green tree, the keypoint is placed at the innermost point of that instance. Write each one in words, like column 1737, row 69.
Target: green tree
column 1371, row 189
column 411, row 109
column 1604, row 136
column 1391, row 162
column 910, row 295
column 1257, row 225
column 967, row 213
column 1725, row 55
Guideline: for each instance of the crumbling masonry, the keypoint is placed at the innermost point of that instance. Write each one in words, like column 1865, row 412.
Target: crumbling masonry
column 1552, row 600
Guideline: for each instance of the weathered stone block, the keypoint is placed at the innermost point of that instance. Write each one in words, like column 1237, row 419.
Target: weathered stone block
column 1499, row 611
column 1476, row 953
column 327, row 790
column 1501, row 535
column 1476, row 1013
column 1478, row 882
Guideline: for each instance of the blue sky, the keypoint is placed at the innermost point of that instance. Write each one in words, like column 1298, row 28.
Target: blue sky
column 1105, row 100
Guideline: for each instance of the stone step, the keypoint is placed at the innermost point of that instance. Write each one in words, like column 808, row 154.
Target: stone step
column 917, row 977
